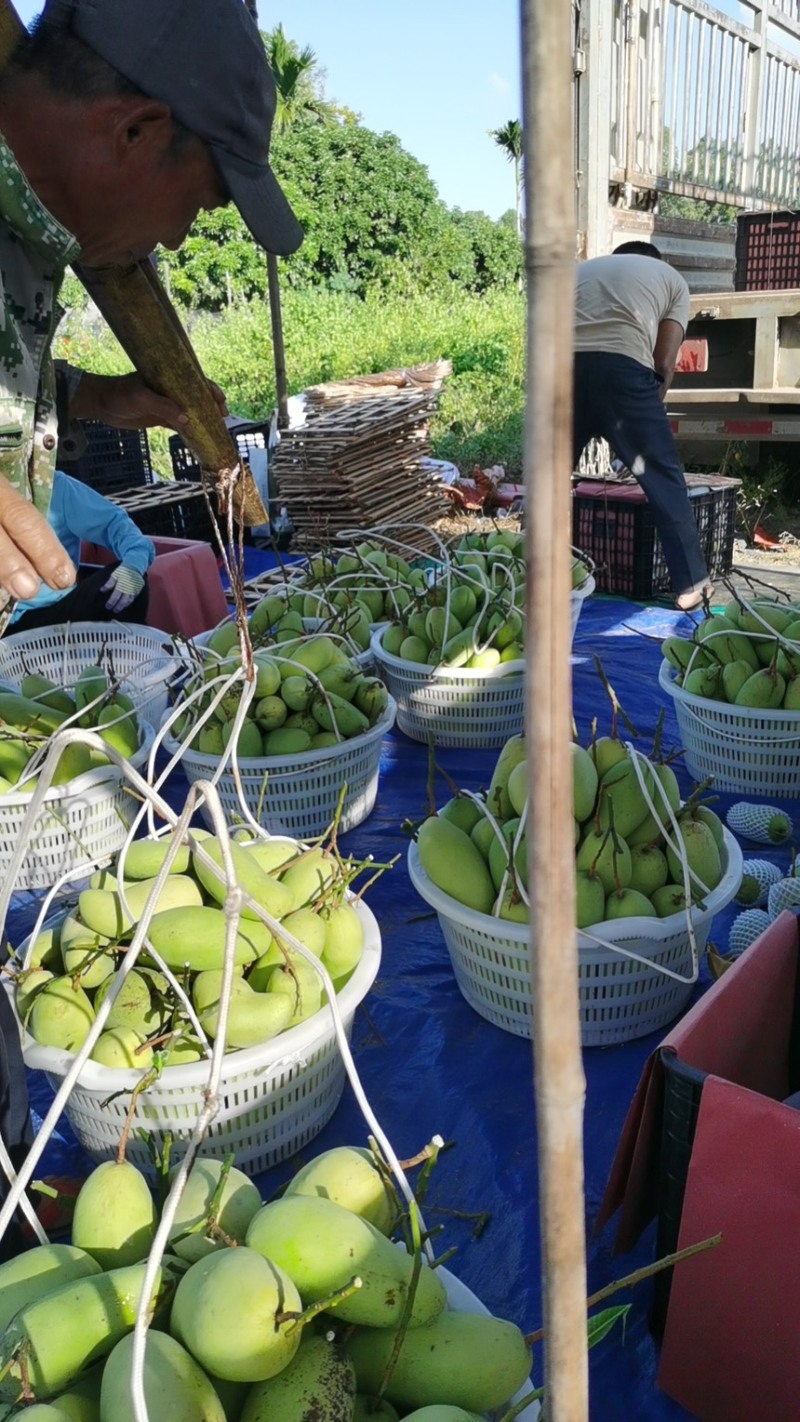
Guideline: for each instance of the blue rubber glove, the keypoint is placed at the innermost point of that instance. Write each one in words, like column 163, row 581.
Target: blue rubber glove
column 123, row 586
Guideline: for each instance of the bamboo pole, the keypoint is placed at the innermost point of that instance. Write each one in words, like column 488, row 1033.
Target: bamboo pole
column 560, row 1086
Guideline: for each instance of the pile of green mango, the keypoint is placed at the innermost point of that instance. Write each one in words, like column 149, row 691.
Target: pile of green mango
column 309, row 694
column 734, row 658
column 505, row 546
column 369, row 576
column 29, row 717
column 624, row 865
column 257, row 1314
column 70, row 968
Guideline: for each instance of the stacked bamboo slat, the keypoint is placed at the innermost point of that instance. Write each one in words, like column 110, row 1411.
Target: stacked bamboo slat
column 358, row 465
column 424, row 379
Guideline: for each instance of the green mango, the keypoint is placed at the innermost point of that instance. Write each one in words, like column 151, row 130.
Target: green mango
column 14, row 757
column 49, row 693
column 175, row 1386
column 235, row 1207
column 28, row 985
column 271, row 713
column 393, row 638
column 414, row 649
column 348, row 1176
column 38, row 1271
column 115, row 1218
column 308, row 875
column 371, row 698
column 344, row 940
column 702, row 855
column 462, row 811
column 122, row 1049
column 321, row 1246
column 249, row 744
column 287, row 741
column 145, row 857
column 81, row 1401
column 605, row 752
column 601, row 858
column 764, row 689
column 61, row 1016
column 318, row 1385
column 649, row 869
column 454, row 864
column 133, row 1008
column 101, row 909
column 619, row 789
column 52, row 1340
column 224, row 639
column 265, row 890
column 46, row 950
column 196, row 937
column 678, row 652
column 704, row 681
column 497, row 796
column 300, row 985
column 590, row 900
column 26, row 715
column 584, row 783
column 469, row 1360
column 629, row 903
column 253, row 1017
column 226, row 1312
column 734, row 676
column 333, row 713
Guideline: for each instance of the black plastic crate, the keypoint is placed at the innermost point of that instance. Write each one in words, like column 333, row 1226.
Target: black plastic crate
column 168, row 511
column 767, row 251
column 113, row 459
column 613, row 524
column 248, row 435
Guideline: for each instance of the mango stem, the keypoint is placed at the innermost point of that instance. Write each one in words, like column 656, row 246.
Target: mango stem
column 299, row 1320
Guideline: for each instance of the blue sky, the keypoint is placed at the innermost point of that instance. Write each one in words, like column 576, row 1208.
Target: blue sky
column 438, row 73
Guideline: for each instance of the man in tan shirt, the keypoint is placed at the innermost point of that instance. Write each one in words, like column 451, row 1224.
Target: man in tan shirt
column 631, row 313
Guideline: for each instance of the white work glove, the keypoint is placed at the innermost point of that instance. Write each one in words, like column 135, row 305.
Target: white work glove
column 123, row 586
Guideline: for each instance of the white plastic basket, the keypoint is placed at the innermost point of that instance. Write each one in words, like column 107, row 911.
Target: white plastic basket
column 83, row 822
column 273, row 1098
column 620, row 997
column 458, row 707
column 298, row 794
column 143, row 659
column 750, row 752
column 578, row 598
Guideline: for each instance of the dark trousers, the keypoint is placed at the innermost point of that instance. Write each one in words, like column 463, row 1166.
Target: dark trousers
column 85, row 603
column 618, row 399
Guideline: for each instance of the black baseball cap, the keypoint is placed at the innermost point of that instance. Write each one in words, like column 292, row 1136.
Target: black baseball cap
column 206, row 59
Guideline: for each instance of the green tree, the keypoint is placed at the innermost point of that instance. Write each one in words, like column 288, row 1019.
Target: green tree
column 511, row 139
column 295, row 71
column 494, row 256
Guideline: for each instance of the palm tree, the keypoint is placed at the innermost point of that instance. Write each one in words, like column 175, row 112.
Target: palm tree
column 510, row 139
column 294, row 70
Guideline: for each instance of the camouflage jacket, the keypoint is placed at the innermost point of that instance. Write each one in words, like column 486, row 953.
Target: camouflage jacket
column 34, row 253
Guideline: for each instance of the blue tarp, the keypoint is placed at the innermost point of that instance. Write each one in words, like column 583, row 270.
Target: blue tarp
column 431, row 1065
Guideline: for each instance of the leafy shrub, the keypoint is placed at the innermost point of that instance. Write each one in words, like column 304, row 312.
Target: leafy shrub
column 330, row 335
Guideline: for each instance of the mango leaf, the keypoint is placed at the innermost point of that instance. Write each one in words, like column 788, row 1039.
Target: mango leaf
column 603, row 1322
